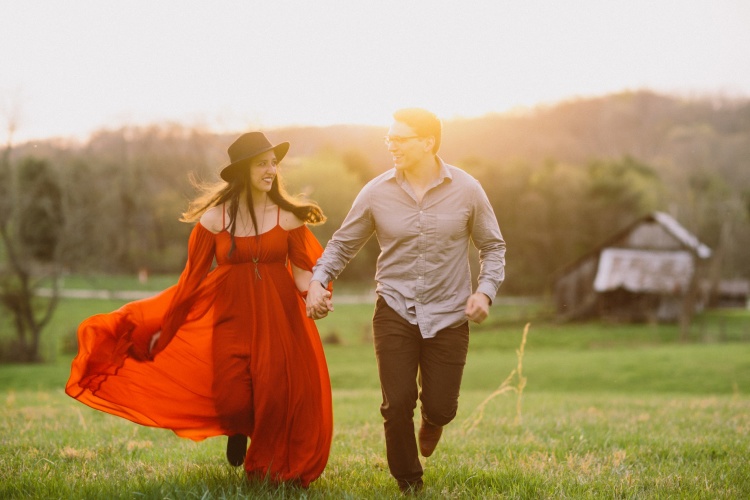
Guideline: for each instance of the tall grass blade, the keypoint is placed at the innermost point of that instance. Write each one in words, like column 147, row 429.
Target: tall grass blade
column 515, row 375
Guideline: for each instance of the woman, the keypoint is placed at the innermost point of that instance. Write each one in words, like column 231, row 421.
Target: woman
column 227, row 351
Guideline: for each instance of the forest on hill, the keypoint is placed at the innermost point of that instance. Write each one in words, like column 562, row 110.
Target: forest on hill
column 561, row 178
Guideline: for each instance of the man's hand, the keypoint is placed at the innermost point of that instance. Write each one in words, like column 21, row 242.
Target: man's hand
column 318, row 302
column 478, row 307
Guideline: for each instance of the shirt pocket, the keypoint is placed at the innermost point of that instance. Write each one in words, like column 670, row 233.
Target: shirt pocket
column 452, row 226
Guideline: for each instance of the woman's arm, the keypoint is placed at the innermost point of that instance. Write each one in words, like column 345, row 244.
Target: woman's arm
column 301, row 278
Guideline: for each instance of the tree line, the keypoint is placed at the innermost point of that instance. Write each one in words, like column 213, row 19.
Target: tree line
column 561, row 179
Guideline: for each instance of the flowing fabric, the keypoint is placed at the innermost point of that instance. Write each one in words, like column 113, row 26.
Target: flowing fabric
column 236, row 355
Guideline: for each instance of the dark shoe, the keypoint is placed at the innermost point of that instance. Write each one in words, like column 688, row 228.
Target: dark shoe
column 236, row 449
column 429, row 435
column 410, row 487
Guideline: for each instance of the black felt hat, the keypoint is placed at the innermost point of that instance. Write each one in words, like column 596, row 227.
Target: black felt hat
column 246, row 147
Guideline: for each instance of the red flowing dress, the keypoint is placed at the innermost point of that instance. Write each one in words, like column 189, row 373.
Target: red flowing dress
column 237, row 355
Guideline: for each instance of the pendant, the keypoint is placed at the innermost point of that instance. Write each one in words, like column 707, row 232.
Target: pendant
column 257, row 273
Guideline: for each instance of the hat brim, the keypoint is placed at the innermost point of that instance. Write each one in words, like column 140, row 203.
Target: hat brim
column 229, row 172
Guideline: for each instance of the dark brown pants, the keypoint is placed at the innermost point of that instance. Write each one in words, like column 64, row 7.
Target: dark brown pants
column 412, row 367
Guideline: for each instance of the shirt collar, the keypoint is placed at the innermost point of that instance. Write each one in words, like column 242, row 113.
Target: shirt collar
column 444, row 172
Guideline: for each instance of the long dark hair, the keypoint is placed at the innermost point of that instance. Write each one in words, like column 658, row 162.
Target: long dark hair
column 230, row 192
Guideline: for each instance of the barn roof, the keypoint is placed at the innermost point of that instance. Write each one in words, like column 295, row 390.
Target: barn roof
column 683, row 235
column 688, row 240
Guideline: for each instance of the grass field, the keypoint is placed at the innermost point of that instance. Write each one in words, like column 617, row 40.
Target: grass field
column 608, row 411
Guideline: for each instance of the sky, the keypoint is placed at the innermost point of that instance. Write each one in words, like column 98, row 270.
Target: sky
column 70, row 68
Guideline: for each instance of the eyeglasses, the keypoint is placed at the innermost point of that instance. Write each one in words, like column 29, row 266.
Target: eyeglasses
column 398, row 141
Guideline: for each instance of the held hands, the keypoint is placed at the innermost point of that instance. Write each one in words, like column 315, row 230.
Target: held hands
column 478, row 307
column 318, row 302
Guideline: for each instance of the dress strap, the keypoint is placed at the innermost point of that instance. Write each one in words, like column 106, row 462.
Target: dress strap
column 223, row 215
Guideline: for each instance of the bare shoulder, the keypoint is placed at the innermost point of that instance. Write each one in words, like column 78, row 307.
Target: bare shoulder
column 289, row 221
column 213, row 219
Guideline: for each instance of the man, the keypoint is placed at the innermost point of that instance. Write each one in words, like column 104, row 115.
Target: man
column 424, row 212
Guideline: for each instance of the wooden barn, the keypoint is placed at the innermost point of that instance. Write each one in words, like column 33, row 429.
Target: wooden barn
column 647, row 272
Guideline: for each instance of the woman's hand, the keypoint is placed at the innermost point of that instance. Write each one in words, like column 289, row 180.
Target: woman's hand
column 154, row 339
column 318, row 302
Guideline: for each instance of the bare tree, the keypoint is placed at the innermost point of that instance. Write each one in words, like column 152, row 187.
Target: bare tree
column 26, row 263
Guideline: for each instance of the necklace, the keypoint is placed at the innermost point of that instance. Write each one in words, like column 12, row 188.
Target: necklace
column 258, row 236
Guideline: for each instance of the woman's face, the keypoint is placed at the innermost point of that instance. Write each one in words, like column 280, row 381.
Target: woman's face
column 263, row 172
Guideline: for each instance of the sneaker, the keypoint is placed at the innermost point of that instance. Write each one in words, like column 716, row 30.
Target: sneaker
column 236, row 449
column 429, row 435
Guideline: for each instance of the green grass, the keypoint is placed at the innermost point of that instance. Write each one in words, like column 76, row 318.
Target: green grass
column 609, row 411
column 567, row 446
column 119, row 282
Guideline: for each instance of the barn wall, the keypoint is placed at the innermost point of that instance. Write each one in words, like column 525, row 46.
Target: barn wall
column 574, row 292
column 652, row 236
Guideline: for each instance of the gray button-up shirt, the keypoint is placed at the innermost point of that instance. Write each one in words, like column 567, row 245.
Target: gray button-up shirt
column 423, row 267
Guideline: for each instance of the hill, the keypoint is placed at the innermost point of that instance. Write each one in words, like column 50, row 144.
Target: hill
column 560, row 177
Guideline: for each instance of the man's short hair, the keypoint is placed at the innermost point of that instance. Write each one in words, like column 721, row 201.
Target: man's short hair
column 423, row 122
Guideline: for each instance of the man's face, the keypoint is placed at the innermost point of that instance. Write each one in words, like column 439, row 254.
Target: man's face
column 406, row 148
